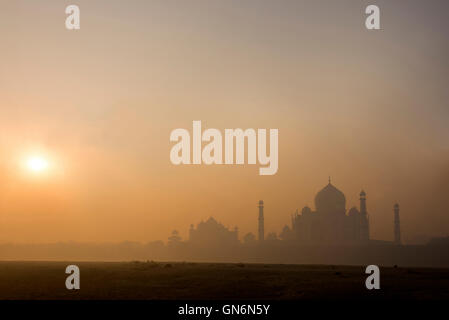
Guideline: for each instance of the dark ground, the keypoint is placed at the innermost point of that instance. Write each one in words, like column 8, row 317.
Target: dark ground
column 190, row 281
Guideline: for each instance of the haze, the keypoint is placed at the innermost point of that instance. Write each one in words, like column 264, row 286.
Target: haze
column 368, row 108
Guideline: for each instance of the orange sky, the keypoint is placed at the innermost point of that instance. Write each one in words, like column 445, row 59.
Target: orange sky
column 369, row 108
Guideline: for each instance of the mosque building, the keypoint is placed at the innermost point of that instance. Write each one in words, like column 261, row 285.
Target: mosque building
column 212, row 233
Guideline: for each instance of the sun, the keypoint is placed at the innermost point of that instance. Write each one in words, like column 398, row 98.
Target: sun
column 37, row 164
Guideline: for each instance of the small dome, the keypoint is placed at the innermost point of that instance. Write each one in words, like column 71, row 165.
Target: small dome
column 396, row 206
column 362, row 193
column 330, row 200
column 261, row 202
column 353, row 211
column 306, row 210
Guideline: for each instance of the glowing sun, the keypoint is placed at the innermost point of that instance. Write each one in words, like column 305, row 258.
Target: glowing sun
column 37, row 164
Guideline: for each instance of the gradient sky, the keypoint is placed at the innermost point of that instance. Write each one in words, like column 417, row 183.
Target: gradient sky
column 368, row 108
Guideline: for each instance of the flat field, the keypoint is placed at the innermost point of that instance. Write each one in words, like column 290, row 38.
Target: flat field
column 217, row 281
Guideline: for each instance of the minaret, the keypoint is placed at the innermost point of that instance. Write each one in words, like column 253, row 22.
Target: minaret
column 364, row 222
column 261, row 222
column 397, row 225
column 191, row 232
column 363, row 202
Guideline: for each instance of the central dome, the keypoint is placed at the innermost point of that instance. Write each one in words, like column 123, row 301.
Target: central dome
column 330, row 200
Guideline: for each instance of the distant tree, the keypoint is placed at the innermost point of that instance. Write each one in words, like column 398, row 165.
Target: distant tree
column 249, row 238
column 158, row 244
column 271, row 236
column 154, row 248
column 286, row 233
column 174, row 239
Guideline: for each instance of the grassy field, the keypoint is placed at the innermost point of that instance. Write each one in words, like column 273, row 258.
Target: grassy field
column 167, row 280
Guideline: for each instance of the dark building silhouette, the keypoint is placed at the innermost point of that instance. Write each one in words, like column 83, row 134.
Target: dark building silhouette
column 397, row 225
column 261, row 222
column 330, row 223
column 212, row 233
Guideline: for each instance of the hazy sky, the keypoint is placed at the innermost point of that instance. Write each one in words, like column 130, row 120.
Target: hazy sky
column 368, row 108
